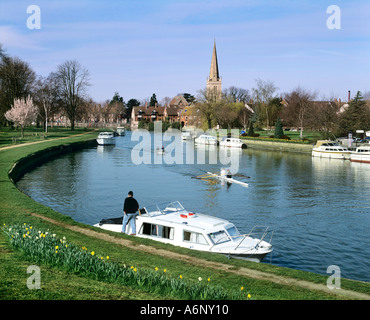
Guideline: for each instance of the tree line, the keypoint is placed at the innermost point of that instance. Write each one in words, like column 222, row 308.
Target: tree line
column 264, row 107
column 65, row 92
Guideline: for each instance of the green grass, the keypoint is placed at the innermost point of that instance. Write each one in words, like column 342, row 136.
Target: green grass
column 60, row 283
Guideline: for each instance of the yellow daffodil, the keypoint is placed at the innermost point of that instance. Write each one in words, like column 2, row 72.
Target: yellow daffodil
column 209, row 279
column 242, row 288
column 165, row 270
column 156, row 269
column 249, row 296
column 92, row 253
column 107, row 257
column 56, row 247
column 180, row 276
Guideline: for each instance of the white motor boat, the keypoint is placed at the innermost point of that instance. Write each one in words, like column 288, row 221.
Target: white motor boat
column 362, row 154
column 187, row 135
column 172, row 224
column 106, row 138
column 233, row 143
column 206, row 139
column 121, row 131
column 330, row 149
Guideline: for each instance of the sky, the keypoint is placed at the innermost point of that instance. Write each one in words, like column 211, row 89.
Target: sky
column 141, row 47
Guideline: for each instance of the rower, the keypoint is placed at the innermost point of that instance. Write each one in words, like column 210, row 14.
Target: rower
column 228, row 174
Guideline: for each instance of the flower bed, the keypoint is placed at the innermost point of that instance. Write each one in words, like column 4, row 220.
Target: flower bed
column 44, row 247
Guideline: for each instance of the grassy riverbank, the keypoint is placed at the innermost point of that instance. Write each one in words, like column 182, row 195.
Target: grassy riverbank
column 241, row 279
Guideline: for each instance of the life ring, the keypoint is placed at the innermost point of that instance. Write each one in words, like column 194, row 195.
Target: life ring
column 189, row 215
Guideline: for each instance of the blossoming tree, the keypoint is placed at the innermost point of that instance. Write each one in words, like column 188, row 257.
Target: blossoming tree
column 22, row 113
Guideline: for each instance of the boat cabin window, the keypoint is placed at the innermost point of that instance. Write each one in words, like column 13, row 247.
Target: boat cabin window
column 156, row 230
column 219, row 237
column 233, row 232
column 194, row 237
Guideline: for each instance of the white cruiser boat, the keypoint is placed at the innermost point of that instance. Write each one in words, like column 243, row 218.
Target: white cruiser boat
column 121, row 131
column 233, row 142
column 106, row 138
column 171, row 223
column 330, row 149
column 206, row 139
column 362, row 154
column 187, row 135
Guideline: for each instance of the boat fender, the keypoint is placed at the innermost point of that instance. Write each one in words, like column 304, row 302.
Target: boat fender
column 191, row 214
column 183, row 216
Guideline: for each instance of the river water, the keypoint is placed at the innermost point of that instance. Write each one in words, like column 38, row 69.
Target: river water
column 319, row 209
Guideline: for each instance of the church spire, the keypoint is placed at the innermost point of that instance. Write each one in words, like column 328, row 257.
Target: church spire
column 213, row 73
column 214, row 83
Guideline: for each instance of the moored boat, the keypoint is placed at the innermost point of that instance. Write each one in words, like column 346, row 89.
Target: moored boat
column 121, row 131
column 331, row 150
column 362, row 154
column 106, row 138
column 233, row 143
column 206, row 139
column 172, row 224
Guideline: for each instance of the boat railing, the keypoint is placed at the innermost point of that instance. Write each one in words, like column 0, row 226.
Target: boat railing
column 263, row 231
column 163, row 208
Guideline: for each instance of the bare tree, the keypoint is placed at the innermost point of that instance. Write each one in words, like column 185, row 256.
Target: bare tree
column 300, row 104
column 237, row 94
column 263, row 94
column 22, row 113
column 73, row 80
column 47, row 97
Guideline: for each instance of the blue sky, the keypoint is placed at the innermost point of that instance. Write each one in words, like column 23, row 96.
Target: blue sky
column 142, row 47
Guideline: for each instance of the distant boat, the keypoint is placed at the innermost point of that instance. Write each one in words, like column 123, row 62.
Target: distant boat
column 121, row 131
column 233, row 143
column 187, row 135
column 206, row 139
column 362, row 154
column 331, row 150
column 106, row 138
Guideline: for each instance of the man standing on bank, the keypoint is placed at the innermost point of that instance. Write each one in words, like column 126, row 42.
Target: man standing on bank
column 129, row 213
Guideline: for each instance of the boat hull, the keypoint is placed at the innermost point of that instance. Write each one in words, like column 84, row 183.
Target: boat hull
column 106, row 141
column 331, row 155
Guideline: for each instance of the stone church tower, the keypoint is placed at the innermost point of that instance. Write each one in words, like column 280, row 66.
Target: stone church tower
column 214, row 82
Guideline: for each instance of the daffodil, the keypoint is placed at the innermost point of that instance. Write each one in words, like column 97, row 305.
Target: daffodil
column 249, row 296
column 156, row 269
column 92, row 253
column 209, row 279
column 180, row 276
column 241, row 288
column 164, row 270
column 107, row 257
column 200, row 279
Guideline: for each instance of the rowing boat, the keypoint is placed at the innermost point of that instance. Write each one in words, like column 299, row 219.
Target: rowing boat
column 224, row 178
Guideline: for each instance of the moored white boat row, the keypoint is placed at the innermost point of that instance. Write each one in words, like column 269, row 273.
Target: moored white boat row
column 332, row 150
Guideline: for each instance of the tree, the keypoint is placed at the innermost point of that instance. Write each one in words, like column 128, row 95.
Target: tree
column 356, row 116
column 278, row 129
column 130, row 104
column 73, row 80
column 263, row 94
column 46, row 97
column 189, row 98
column 206, row 106
column 153, row 100
column 237, row 94
column 23, row 113
column 16, row 81
column 118, row 107
column 299, row 107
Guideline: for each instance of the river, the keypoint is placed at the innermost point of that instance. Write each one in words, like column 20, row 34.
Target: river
column 319, row 209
